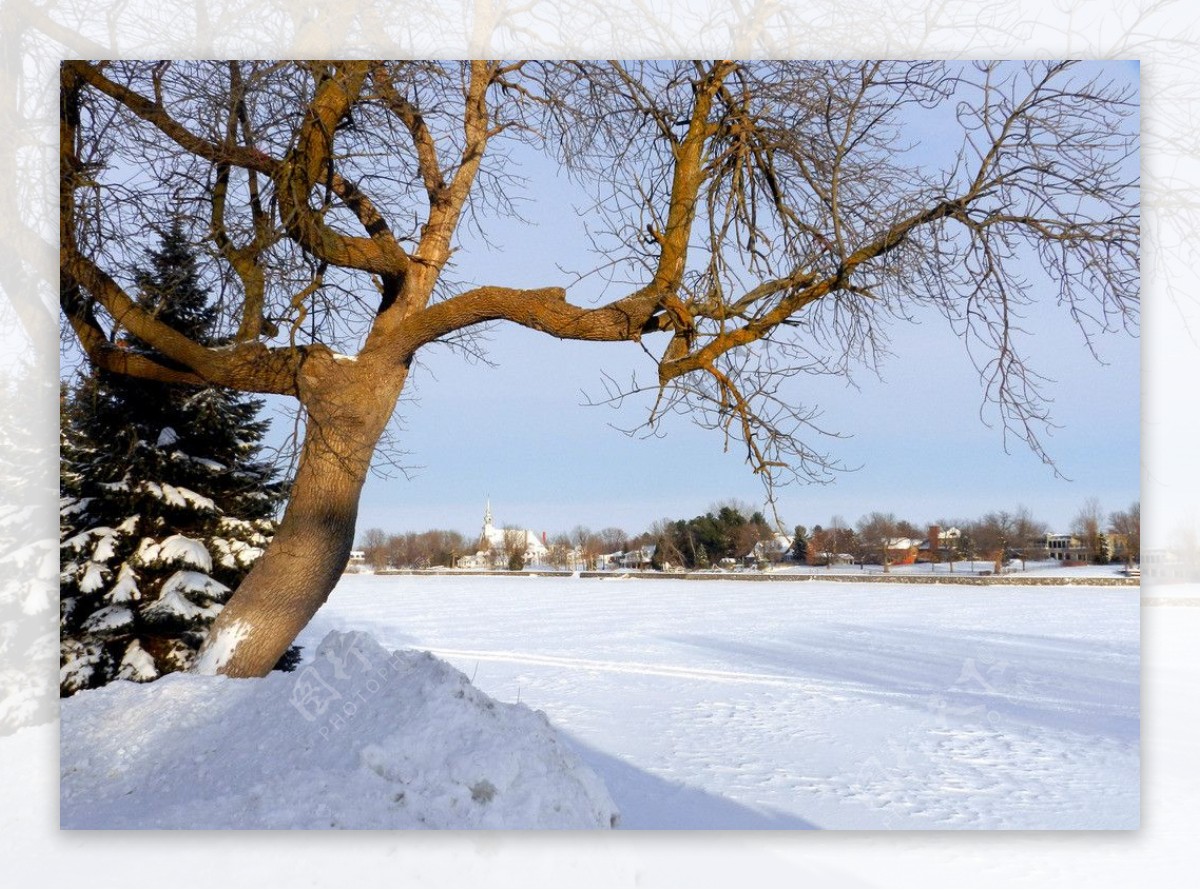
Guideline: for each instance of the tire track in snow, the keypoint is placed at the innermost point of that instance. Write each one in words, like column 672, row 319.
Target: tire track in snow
column 642, row 668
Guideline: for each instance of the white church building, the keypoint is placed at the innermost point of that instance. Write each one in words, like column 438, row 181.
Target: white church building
column 493, row 545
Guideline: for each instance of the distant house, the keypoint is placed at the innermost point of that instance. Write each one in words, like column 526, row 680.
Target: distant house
column 1069, row 548
column 827, row 546
column 638, row 558
column 942, row 545
column 1065, row 548
column 773, row 549
column 604, row 560
column 494, row 542
column 358, row 561
column 902, row 551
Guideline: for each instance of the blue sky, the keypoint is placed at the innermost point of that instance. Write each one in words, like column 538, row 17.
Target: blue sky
column 519, row 433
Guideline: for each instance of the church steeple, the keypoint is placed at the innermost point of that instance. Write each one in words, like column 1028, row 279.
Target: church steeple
column 487, row 519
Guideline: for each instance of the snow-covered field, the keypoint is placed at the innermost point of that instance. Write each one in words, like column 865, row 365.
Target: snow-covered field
column 808, row 705
column 715, row 704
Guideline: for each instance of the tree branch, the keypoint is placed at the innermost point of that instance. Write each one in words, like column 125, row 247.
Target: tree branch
column 155, row 114
column 309, row 160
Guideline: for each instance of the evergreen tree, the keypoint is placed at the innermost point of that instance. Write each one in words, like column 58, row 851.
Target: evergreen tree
column 800, row 544
column 165, row 503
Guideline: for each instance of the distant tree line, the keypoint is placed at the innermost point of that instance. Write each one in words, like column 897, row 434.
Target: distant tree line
column 437, row 547
column 733, row 532
column 999, row 537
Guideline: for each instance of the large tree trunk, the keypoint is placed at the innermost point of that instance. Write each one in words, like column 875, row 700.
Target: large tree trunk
column 347, row 412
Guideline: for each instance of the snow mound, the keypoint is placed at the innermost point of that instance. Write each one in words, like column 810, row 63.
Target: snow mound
column 358, row 738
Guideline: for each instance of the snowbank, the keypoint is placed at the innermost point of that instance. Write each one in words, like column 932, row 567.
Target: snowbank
column 357, row 738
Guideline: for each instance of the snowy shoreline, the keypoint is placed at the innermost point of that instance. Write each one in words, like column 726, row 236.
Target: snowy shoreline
column 845, row 577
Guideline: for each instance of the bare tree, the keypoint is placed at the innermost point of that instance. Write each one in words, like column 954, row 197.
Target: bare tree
column 953, row 546
column 1029, row 535
column 841, row 538
column 613, row 539
column 439, row 547
column 1127, row 524
column 827, row 544
column 754, row 221
column 753, row 540
column 587, row 544
column 993, row 536
column 374, row 546
column 876, row 534
column 558, row 554
column 661, row 535
column 407, row 550
column 516, row 544
column 1088, row 527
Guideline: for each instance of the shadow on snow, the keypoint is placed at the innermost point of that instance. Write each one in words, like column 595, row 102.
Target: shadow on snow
column 647, row 801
